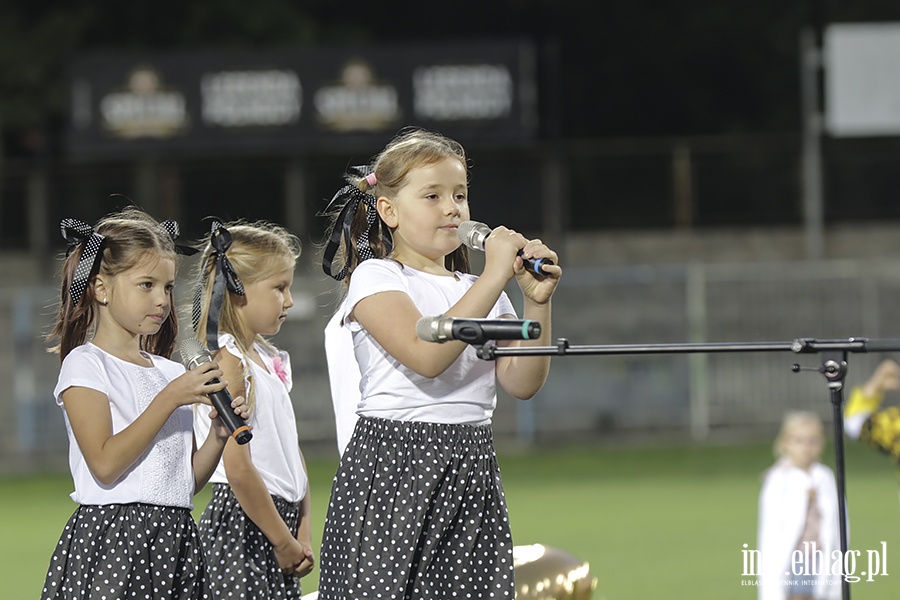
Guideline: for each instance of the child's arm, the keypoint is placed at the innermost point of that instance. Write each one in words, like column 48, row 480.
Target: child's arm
column 206, row 458
column 523, row 376
column 249, row 488
column 886, row 377
column 108, row 456
column 304, row 534
column 255, row 500
column 865, row 399
column 391, row 317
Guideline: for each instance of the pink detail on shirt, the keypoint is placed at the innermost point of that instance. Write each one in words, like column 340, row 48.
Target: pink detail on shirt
column 279, row 369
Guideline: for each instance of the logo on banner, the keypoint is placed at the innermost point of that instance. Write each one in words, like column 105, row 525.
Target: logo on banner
column 251, row 98
column 463, row 92
column 145, row 108
column 358, row 102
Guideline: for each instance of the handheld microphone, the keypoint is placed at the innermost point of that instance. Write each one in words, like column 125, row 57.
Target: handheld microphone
column 473, row 234
column 192, row 354
column 475, row 331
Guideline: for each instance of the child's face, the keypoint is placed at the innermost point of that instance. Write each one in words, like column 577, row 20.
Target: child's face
column 140, row 299
column 802, row 444
column 267, row 302
column 426, row 211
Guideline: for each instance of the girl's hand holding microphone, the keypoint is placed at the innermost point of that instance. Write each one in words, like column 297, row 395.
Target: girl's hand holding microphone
column 506, row 251
column 195, row 386
column 537, row 287
column 501, row 249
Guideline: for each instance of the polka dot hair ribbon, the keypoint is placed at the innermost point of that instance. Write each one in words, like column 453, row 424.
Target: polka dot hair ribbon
column 171, row 229
column 225, row 279
column 78, row 232
column 351, row 197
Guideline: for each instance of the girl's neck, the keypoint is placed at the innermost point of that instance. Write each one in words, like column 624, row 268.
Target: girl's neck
column 251, row 352
column 128, row 350
column 245, row 341
column 422, row 263
column 118, row 341
column 807, row 468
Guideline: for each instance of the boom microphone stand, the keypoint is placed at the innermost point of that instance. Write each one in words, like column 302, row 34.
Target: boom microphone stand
column 833, row 367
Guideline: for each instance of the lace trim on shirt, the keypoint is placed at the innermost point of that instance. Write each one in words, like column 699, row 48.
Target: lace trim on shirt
column 164, row 479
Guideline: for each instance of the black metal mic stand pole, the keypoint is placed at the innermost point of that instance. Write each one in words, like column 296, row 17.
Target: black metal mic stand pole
column 834, row 368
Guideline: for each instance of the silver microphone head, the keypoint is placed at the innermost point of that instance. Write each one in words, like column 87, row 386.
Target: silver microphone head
column 193, row 353
column 472, row 234
column 428, row 329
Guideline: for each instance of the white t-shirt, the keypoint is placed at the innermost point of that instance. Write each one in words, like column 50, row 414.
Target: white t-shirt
column 783, row 505
column 463, row 394
column 343, row 378
column 163, row 475
column 274, row 449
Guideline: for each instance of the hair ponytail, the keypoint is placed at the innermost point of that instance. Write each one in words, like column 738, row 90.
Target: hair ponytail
column 353, row 234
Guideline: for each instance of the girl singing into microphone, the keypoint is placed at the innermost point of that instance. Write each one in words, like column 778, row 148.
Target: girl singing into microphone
column 128, row 414
column 417, row 507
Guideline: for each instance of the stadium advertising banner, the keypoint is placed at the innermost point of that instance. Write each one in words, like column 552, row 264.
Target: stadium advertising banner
column 862, row 90
column 293, row 101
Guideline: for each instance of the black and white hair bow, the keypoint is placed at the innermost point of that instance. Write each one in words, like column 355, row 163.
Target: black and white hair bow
column 225, row 279
column 173, row 231
column 77, row 232
column 350, row 197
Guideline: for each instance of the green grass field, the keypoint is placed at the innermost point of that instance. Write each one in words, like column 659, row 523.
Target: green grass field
column 666, row 522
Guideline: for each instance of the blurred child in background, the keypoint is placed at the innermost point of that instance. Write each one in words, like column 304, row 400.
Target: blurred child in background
column 798, row 512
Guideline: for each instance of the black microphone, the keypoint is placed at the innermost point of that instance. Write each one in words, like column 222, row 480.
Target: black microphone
column 475, row 331
column 473, row 234
column 192, row 354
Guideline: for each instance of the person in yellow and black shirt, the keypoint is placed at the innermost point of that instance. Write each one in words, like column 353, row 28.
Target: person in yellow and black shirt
column 867, row 420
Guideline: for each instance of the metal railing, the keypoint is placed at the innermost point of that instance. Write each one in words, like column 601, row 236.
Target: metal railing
column 694, row 395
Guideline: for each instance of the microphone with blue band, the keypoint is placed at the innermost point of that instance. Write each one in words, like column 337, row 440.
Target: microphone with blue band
column 442, row 329
column 473, row 234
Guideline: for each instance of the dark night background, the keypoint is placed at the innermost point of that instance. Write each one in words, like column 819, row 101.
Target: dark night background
column 627, row 68
column 614, row 73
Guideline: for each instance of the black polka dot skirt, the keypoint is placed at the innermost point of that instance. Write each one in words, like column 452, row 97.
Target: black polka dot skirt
column 127, row 551
column 417, row 511
column 240, row 558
